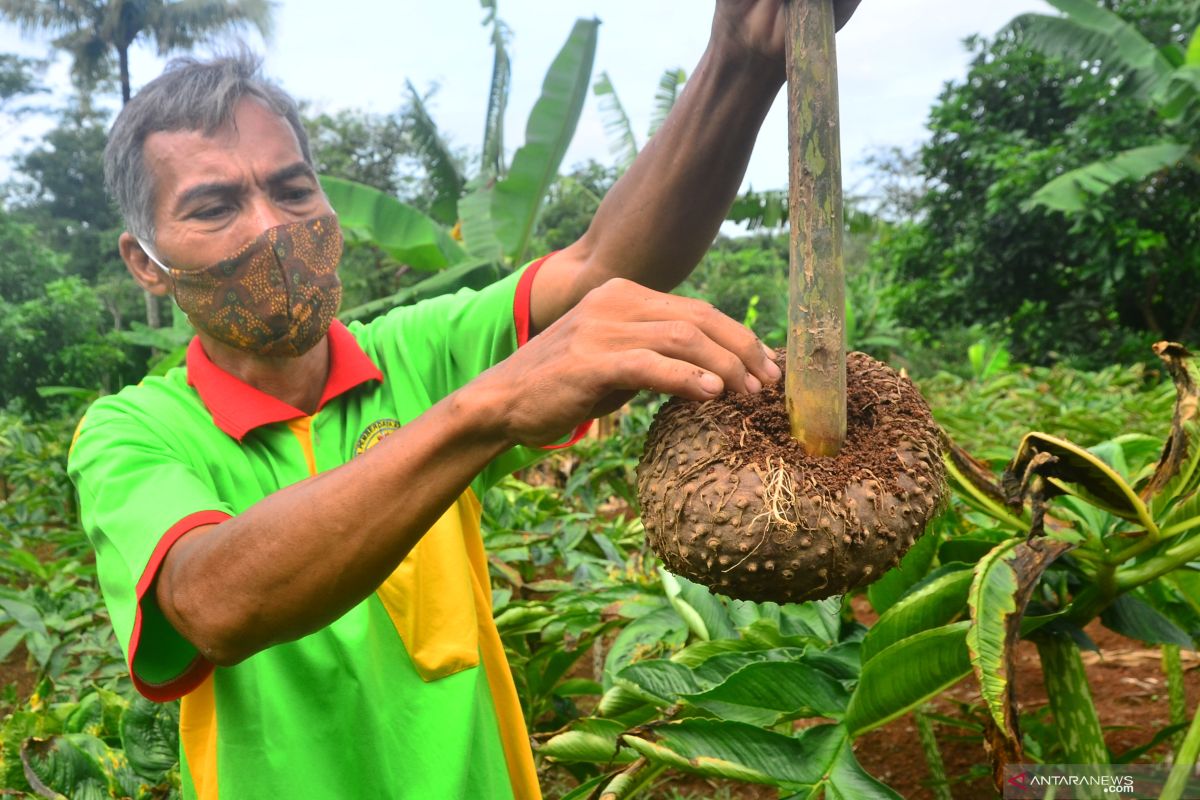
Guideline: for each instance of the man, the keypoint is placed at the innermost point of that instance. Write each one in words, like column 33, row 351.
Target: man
column 287, row 530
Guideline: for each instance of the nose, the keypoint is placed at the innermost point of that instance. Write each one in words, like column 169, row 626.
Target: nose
column 265, row 215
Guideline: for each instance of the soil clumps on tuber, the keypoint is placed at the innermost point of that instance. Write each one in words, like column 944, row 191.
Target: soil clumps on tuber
column 730, row 500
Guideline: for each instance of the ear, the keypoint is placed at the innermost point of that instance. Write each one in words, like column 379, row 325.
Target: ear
column 150, row 276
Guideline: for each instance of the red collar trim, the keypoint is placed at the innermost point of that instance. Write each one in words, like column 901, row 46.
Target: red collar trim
column 238, row 408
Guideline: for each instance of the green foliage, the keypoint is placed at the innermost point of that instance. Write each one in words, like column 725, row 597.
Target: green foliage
column 1090, row 34
column 496, row 218
column 372, row 149
column 1093, row 288
column 736, row 271
column 571, row 203
column 95, row 32
column 56, row 338
column 105, row 744
column 27, row 264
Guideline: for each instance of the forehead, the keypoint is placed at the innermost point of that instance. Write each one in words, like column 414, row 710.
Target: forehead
column 254, row 144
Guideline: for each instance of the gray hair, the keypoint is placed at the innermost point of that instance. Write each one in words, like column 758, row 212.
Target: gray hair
column 190, row 95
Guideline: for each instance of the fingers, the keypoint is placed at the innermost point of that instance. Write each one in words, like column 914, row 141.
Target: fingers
column 647, row 369
column 682, row 340
column 689, row 329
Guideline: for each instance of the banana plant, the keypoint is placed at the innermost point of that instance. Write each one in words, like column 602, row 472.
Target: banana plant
column 1166, row 81
column 622, row 141
column 485, row 222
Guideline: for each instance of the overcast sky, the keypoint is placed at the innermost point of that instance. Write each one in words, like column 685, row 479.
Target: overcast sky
column 894, row 58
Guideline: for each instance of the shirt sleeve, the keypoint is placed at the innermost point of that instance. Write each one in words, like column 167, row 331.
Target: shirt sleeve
column 137, row 497
column 451, row 339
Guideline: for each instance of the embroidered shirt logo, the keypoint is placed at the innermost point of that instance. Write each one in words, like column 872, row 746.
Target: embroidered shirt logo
column 375, row 433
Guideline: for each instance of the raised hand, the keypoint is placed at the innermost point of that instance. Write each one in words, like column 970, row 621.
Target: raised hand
column 758, row 25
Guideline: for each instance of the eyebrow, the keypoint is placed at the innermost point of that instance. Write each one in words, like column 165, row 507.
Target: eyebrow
column 223, row 189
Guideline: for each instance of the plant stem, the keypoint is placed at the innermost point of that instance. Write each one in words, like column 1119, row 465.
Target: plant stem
column 938, row 784
column 1071, row 700
column 1185, row 762
column 1173, row 668
column 816, row 348
column 633, row 779
column 1171, row 558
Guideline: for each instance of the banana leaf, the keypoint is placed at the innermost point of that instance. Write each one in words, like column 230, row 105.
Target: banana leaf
column 517, row 198
column 401, row 231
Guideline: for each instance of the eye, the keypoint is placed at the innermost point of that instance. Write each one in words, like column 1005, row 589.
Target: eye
column 296, row 194
column 212, row 212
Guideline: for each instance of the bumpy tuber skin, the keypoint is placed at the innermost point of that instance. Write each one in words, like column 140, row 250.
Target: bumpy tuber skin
column 731, row 501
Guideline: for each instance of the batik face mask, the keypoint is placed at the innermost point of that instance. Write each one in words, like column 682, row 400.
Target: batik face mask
column 276, row 296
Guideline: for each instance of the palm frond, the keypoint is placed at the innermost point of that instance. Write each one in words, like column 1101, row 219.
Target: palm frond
column 435, row 155
column 185, row 23
column 617, row 127
column 33, row 16
column 1091, row 33
column 665, row 96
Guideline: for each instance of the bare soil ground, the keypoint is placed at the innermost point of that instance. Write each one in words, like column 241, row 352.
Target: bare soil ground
column 1128, row 687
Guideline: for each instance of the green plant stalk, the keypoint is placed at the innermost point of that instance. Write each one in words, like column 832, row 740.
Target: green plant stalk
column 637, row 777
column 994, row 509
column 1112, row 580
column 816, row 347
column 1180, row 527
column 1071, row 701
column 1096, row 596
column 1134, row 550
column 1170, row 559
column 1173, row 669
column 938, row 784
column 1185, row 762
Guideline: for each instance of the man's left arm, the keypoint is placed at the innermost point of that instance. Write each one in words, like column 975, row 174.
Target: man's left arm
column 657, row 221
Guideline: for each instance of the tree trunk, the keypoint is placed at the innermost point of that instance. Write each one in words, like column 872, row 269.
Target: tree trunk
column 123, row 59
column 816, row 349
column 153, row 318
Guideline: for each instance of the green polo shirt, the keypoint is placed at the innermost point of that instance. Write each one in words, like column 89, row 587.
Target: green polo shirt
column 407, row 695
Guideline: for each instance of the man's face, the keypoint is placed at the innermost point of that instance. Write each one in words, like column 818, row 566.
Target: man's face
column 214, row 194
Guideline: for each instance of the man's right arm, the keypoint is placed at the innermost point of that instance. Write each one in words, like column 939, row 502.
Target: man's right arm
column 299, row 559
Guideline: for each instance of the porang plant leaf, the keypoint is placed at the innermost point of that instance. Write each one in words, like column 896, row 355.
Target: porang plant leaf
column 884, row 592
column 906, row 674
column 150, row 736
column 768, row 692
column 1003, row 583
column 1070, row 469
column 1176, row 478
column 71, row 765
column 818, row 758
column 589, row 740
column 931, row 604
